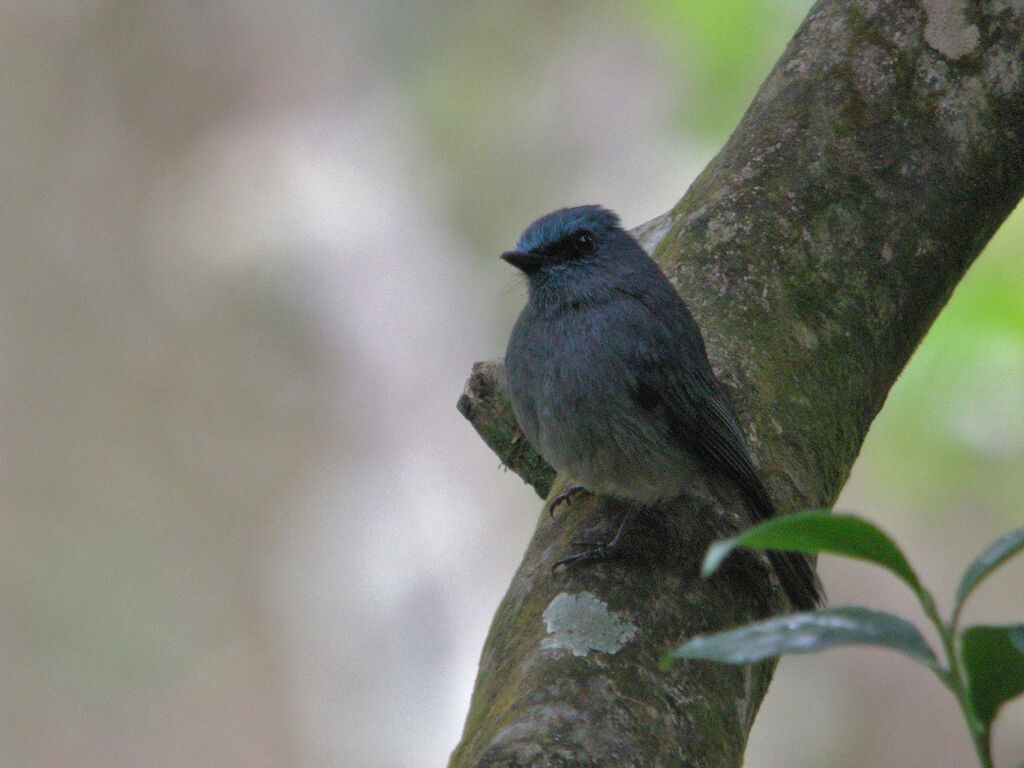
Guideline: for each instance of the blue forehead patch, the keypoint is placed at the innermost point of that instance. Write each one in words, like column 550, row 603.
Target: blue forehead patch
column 560, row 224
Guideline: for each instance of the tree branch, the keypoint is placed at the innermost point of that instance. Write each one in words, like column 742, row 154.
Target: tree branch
column 815, row 250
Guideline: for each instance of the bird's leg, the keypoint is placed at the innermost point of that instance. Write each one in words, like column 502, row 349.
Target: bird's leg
column 566, row 497
column 597, row 551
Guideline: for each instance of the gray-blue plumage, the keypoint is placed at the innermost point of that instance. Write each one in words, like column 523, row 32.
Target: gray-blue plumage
column 609, row 377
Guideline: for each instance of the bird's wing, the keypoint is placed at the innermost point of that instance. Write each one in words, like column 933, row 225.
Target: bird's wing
column 673, row 381
column 700, row 421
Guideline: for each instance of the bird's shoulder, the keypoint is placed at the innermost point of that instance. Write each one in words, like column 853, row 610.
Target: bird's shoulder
column 654, row 314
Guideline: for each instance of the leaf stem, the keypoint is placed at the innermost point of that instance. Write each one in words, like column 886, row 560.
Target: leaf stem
column 953, row 677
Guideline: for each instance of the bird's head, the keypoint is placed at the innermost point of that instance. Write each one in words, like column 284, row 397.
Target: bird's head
column 574, row 249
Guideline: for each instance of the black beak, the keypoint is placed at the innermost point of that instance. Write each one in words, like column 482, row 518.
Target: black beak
column 526, row 261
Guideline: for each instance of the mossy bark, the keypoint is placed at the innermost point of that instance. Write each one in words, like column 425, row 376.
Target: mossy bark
column 816, row 249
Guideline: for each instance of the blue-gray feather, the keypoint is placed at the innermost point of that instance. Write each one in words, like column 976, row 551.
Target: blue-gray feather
column 609, row 376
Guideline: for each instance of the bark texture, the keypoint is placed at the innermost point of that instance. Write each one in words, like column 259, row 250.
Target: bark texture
column 876, row 161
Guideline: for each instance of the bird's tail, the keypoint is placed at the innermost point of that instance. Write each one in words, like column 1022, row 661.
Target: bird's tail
column 798, row 579
column 800, row 582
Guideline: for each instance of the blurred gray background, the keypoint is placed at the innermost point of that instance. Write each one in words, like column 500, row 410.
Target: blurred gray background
column 249, row 256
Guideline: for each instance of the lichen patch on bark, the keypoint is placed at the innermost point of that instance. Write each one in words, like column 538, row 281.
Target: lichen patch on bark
column 582, row 623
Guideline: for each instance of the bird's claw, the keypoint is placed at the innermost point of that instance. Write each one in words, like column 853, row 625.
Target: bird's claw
column 565, row 497
column 595, row 551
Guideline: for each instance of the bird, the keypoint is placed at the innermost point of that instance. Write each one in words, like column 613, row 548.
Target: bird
column 609, row 379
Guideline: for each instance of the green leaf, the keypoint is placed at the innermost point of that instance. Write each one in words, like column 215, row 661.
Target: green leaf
column 997, row 553
column 994, row 659
column 820, row 531
column 807, row 633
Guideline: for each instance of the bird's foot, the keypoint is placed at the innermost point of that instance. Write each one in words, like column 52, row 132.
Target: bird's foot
column 566, row 497
column 598, row 551
column 594, row 552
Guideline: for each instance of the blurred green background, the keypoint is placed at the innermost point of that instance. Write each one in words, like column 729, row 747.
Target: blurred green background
column 249, row 258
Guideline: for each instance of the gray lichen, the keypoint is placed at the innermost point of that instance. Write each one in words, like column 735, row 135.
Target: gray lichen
column 583, row 623
column 947, row 30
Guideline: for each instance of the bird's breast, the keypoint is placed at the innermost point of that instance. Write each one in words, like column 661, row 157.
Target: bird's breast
column 572, row 390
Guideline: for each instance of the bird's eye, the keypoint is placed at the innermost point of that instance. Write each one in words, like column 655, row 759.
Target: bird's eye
column 585, row 242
